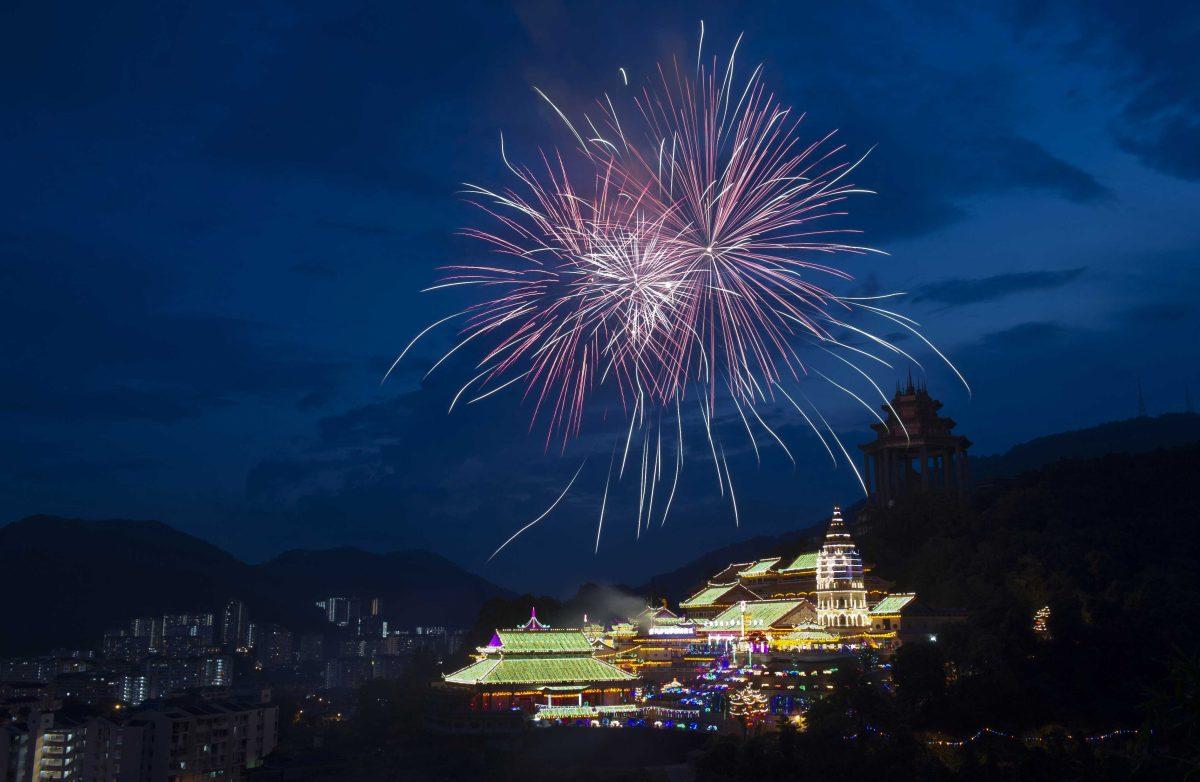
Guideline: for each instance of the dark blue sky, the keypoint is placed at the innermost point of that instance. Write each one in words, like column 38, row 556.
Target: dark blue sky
column 216, row 218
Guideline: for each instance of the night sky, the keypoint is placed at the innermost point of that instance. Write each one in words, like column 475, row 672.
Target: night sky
column 217, row 217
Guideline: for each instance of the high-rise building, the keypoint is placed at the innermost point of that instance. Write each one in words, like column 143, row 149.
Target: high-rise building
column 399, row 642
column 187, row 635
column 134, row 688
column 347, row 673
column 386, row 666
column 235, row 625
column 16, row 752
column 371, row 626
column 341, row 611
column 455, row 640
column 59, row 748
column 197, row 739
column 150, row 628
column 272, row 645
column 311, row 648
column 215, row 671
column 28, row 669
column 122, row 644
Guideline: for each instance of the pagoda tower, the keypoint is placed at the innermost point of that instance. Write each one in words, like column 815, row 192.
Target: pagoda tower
column 841, row 596
column 915, row 449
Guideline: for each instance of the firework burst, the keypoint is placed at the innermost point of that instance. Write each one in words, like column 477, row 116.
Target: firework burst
column 690, row 259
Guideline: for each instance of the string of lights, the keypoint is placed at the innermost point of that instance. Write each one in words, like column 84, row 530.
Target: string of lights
column 954, row 743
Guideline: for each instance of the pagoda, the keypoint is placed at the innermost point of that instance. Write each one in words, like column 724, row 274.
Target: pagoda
column 914, row 448
column 841, row 596
column 533, row 666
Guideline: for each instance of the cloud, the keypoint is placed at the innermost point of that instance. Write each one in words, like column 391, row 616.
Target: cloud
column 1149, row 50
column 961, row 291
column 85, row 337
column 1156, row 314
column 1024, row 336
column 366, row 98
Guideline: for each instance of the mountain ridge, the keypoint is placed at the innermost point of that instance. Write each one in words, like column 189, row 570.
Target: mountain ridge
column 96, row 574
column 1142, row 434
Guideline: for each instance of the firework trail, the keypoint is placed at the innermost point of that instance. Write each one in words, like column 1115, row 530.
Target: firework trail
column 689, row 258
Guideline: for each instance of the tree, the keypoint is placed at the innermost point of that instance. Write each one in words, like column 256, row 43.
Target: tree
column 748, row 706
column 919, row 673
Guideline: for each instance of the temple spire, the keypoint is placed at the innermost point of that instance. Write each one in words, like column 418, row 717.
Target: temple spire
column 533, row 623
column 837, row 526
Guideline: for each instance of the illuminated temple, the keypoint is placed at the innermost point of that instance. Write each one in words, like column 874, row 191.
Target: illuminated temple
column 535, row 665
column 781, row 625
column 798, row 616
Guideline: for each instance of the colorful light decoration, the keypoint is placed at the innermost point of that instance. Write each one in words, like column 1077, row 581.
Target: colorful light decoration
column 748, row 705
column 1041, row 621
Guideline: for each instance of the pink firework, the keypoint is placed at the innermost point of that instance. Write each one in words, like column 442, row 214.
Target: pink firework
column 592, row 289
column 692, row 256
column 747, row 203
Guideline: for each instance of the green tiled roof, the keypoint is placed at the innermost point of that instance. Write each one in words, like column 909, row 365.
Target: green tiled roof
column 707, row 596
column 760, row 568
column 806, row 561
column 760, row 614
column 539, row 670
column 812, row 633
column 893, row 603
column 575, row 712
column 532, row 641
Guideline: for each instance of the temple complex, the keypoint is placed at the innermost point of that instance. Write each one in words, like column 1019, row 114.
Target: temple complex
column 780, row 627
column 914, row 449
column 534, row 666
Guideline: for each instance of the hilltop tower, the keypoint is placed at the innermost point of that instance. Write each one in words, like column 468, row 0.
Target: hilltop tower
column 841, row 596
column 914, row 448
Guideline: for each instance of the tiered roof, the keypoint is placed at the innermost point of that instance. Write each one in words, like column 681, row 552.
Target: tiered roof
column 535, row 654
column 730, row 573
column 540, row 641
column 893, row 604
column 712, row 595
column 806, row 561
column 760, row 568
column 759, row 614
column 539, row 670
column 912, row 420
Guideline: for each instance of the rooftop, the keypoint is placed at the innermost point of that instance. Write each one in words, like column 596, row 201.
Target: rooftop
column 893, row 604
column 539, row 670
column 760, row 614
column 806, row 561
column 539, row 641
column 709, row 595
column 760, row 568
column 812, row 633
